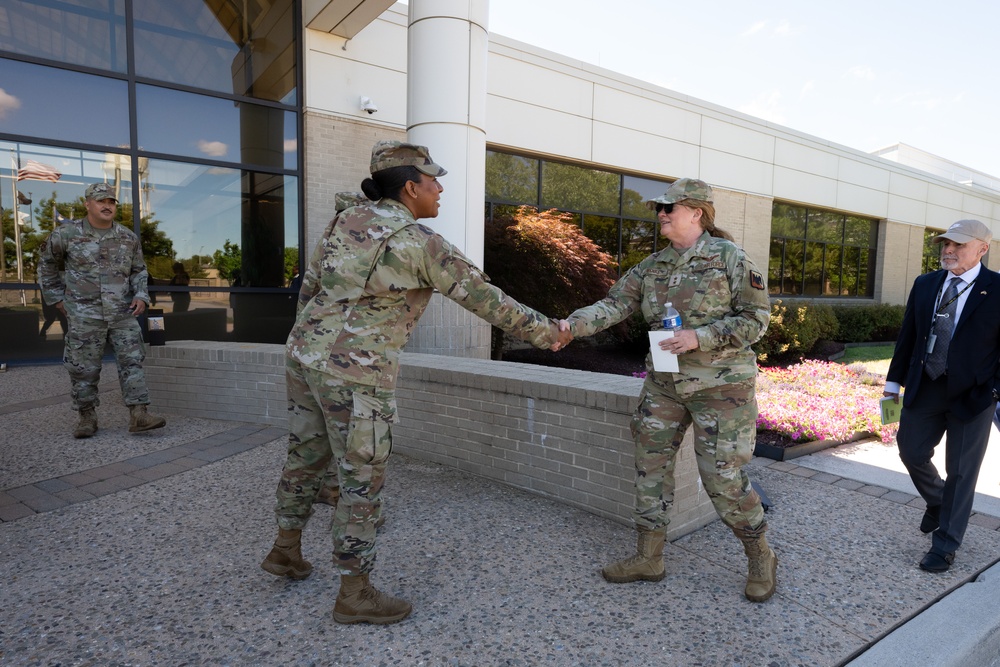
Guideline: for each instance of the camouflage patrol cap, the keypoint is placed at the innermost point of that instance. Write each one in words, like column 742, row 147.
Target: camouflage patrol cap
column 964, row 231
column 100, row 191
column 389, row 154
column 681, row 189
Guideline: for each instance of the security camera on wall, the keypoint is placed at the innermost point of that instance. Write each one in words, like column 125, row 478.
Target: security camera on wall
column 368, row 105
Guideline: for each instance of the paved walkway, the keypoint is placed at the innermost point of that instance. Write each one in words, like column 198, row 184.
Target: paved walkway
column 144, row 550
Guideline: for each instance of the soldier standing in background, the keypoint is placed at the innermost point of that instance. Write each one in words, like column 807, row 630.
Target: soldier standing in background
column 724, row 309
column 369, row 281
column 101, row 292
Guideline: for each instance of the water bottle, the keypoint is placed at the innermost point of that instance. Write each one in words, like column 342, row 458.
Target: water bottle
column 671, row 318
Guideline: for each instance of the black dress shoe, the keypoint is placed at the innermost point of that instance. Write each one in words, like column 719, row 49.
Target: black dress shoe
column 929, row 523
column 936, row 562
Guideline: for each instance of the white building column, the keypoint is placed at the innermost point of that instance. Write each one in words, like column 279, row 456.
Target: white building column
column 448, row 44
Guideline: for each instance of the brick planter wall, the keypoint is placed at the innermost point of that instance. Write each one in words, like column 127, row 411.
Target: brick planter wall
column 559, row 433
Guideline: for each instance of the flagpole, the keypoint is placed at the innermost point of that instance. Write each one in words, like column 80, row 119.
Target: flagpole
column 17, row 230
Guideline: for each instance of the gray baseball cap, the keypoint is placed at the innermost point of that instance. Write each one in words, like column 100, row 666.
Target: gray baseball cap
column 964, row 231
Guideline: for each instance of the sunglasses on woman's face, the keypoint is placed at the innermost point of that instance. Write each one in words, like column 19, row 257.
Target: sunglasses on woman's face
column 665, row 208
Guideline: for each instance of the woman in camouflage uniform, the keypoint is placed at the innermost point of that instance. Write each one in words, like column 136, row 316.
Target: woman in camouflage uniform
column 724, row 309
column 368, row 282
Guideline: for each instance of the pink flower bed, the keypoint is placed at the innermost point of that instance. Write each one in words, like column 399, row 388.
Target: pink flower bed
column 817, row 400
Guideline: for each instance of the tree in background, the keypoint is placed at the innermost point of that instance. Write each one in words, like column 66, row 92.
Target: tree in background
column 228, row 261
column 546, row 262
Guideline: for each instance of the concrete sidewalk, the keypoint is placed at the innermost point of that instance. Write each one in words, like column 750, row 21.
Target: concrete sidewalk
column 145, row 550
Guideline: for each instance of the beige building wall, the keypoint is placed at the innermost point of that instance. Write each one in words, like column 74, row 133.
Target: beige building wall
column 337, row 154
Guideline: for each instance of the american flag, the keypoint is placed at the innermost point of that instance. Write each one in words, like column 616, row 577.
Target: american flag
column 38, row 172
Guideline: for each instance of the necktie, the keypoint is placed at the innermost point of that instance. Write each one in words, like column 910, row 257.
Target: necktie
column 944, row 325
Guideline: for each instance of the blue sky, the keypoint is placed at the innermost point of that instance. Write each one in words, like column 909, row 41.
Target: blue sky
column 863, row 74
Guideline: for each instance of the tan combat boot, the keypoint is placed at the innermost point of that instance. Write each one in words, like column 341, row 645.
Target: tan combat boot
column 88, row 424
column 360, row 602
column 763, row 566
column 140, row 420
column 285, row 559
column 645, row 565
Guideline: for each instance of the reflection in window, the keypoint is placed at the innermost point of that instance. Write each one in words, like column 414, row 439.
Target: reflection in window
column 604, row 231
column 609, row 206
column 837, row 260
column 242, row 224
column 199, row 126
column 571, row 188
column 511, row 178
column 42, row 204
column 932, row 251
column 90, row 34
column 229, row 47
column 52, row 103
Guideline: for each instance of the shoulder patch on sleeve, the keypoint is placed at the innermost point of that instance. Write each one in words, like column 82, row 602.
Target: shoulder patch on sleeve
column 756, row 280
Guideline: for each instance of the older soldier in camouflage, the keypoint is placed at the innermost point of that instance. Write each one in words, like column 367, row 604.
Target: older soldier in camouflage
column 367, row 284
column 101, row 291
column 724, row 309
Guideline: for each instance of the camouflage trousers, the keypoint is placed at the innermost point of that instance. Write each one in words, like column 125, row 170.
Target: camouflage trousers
column 725, row 429
column 84, row 348
column 332, row 421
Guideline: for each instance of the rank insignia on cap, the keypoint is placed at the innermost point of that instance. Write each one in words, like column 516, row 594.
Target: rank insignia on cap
column 756, row 280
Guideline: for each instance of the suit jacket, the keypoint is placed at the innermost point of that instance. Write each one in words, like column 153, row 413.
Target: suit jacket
column 974, row 352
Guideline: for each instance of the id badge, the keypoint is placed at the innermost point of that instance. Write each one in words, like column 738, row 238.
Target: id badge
column 931, row 340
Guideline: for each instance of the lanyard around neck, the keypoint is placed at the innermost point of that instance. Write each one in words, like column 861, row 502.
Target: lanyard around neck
column 941, row 306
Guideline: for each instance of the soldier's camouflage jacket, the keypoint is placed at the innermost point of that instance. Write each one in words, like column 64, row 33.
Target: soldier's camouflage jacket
column 719, row 294
column 102, row 273
column 369, row 281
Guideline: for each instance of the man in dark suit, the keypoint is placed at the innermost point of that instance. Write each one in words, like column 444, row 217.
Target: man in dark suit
column 948, row 358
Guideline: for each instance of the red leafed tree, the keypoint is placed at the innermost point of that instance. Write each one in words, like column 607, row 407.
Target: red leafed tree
column 546, row 262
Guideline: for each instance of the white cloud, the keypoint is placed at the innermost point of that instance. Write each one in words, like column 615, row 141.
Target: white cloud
column 766, row 106
column 291, row 145
column 807, row 88
column 8, row 103
column 861, row 72
column 785, row 29
column 213, row 148
column 756, row 27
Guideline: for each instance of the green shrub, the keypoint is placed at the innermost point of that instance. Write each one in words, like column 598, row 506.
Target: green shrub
column 794, row 330
column 869, row 323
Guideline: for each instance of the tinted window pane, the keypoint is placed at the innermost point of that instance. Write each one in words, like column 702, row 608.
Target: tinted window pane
column 788, row 221
column 51, row 103
column 637, row 191
column 242, row 224
column 774, row 265
column 814, row 269
column 637, row 242
column 511, row 178
column 852, row 283
column 793, row 267
column 604, row 232
column 932, row 251
column 860, row 232
column 825, row 226
column 199, row 126
column 831, row 272
column 243, row 48
column 578, row 189
column 79, row 32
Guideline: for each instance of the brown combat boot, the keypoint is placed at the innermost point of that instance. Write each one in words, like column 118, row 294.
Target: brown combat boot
column 645, row 565
column 763, row 565
column 360, row 602
column 285, row 559
column 140, row 420
column 88, row 424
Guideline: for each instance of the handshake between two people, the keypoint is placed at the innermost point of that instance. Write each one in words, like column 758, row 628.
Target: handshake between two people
column 564, row 338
